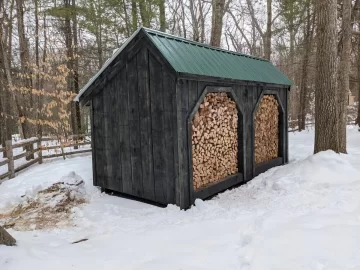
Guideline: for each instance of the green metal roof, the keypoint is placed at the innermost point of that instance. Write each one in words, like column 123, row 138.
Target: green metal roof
column 187, row 56
column 196, row 58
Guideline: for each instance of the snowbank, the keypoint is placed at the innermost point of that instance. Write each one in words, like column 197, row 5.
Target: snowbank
column 49, row 208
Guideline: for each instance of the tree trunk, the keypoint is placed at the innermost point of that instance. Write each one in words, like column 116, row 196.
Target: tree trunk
column 37, row 62
column 5, row 238
column 42, row 82
column 76, row 105
column 304, row 72
column 202, row 22
column 294, row 97
column 268, row 34
column 70, row 62
column 134, row 15
column 2, row 115
column 194, row 21
column 218, row 7
column 127, row 20
column 162, row 15
column 326, row 112
column 344, row 84
column 358, row 75
column 6, row 62
column 183, row 23
column 24, row 60
column 144, row 13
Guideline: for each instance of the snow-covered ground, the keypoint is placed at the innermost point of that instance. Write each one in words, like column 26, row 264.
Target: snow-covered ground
column 305, row 215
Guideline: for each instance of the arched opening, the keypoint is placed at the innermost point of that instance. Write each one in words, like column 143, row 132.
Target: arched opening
column 216, row 140
column 267, row 130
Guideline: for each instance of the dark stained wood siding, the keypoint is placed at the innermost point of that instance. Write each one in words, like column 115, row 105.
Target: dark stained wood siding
column 134, row 130
column 121, row 119
column 182, row 111
column 99, row 144
column 170, row 134
column 145, row 124
column 157, row 128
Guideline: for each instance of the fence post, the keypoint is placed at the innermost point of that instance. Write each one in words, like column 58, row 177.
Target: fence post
column 39, row 146
column 10, row 156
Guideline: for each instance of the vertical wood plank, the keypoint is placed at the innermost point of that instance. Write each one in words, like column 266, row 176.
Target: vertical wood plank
column 99, row 141
column 193, row 95
column 183, row 188
column 282, row 123
column 201, row 87
column 255, row 95
column 169, row 134
column 123, row 133
column 145, row 124
column 134, row 128
column 108, row 135
column 113, row 141
column 239, row 93
column 157, row 126
column 93, row 140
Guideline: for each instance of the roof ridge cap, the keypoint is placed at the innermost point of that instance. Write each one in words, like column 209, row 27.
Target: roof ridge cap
column 196, row 43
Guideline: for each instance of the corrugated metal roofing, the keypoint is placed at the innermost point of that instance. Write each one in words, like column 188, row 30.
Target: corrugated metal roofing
column 196, row 58
column 191, row 57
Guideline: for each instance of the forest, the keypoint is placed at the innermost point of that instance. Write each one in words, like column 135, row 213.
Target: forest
column 51, row 48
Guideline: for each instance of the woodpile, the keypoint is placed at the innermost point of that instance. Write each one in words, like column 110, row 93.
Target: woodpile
column 267, row 130
column 214, row 140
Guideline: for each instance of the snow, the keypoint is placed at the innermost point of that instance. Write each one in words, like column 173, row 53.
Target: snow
column 304, row 215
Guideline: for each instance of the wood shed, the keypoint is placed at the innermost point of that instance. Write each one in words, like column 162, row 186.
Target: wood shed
column 174, row 120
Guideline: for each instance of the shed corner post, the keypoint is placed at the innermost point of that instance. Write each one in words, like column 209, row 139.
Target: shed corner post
column 181, row 199
column 93, row 154
column 287, row 125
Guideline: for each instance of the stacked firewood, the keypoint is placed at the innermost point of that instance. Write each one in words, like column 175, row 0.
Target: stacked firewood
column 267, row 130
column 214, row 140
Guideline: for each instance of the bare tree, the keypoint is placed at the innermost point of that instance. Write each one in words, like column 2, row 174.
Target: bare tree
column 24, row 60
column 344, row 84
column 267, row 35
column 37, row 62
column 134, row 15
column 75, row 105
column 219, row 7
column 308, row 43
column 326, row 109
column 162, row 16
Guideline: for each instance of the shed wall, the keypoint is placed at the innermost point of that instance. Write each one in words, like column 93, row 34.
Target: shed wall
column 134, row 126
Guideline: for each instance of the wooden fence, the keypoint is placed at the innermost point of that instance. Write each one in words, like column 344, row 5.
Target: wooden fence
column 294, row 127
column 36, row 154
